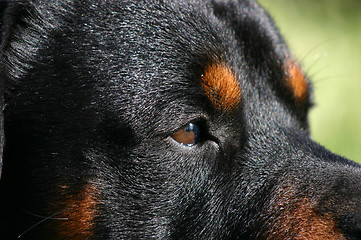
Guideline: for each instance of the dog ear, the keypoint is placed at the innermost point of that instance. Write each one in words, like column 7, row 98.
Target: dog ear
column 24, row 25
column 3, row 6
column 10, row 14
column 1, row 122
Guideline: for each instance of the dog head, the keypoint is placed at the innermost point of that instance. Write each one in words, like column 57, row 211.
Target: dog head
column 163, row 120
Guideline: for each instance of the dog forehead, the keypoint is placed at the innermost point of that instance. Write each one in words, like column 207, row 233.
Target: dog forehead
column 150, row 45
column 163, row 49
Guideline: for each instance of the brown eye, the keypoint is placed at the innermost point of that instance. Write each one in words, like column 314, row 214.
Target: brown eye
column 189, row 136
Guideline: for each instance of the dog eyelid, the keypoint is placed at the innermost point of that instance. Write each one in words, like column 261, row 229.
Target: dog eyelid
column 189, row 136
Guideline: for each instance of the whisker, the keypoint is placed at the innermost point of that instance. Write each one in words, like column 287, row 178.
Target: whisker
column 315, row 62
column 39, row 216
column 43, row 220
column 329, row 78
column 307, row 54
column 318, row 72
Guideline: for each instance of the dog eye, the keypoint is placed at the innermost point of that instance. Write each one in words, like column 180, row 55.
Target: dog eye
column 189, row 136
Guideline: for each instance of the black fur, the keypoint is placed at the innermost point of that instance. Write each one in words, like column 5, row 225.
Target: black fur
column 95, row 89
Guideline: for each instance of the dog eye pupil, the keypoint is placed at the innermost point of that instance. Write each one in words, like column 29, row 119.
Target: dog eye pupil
column 190, row 135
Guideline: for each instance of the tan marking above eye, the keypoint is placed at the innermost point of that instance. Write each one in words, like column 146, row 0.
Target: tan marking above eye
column 220, row 86
column 296, row 81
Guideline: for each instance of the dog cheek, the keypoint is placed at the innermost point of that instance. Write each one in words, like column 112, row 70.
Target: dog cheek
column 79, row 212
column 296, row 218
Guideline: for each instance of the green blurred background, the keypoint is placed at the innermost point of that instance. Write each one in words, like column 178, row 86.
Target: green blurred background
column 325, row 36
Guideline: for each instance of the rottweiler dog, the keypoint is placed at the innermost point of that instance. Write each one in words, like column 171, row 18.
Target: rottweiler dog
column 162, row 120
